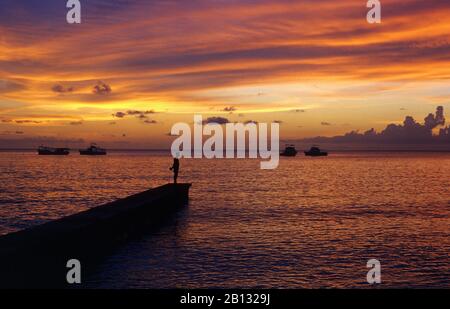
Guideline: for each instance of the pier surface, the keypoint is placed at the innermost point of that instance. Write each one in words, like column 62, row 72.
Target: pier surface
column 37, row 257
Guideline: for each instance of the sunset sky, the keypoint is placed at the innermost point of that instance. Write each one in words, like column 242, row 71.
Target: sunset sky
column 133, row 68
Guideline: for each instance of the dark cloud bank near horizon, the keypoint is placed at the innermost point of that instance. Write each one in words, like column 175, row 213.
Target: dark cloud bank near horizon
column 408, row 133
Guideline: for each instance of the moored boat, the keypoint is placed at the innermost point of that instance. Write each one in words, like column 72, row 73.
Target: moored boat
column 93, row 150
column 49, row 151
column 316, row 152
column 289, row 151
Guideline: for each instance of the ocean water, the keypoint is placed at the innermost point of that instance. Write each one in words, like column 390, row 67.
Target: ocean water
column 313, row 222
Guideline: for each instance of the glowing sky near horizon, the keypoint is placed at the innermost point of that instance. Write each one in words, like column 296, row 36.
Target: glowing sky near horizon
column 316, row 66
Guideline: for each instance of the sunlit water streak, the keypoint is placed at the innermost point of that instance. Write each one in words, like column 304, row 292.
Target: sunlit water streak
column 313, row 222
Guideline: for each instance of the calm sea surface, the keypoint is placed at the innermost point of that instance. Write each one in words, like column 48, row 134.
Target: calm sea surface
column 313, row 222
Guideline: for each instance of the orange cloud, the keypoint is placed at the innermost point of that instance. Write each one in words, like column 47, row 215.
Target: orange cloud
column 191, row 56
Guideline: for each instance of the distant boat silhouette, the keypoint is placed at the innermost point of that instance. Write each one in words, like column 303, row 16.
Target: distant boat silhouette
column 93, row 150
column 316, row 152
column 289, row 151
column 49, row 151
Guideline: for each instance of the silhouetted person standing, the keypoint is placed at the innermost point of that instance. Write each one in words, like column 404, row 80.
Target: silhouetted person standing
column 175, row 168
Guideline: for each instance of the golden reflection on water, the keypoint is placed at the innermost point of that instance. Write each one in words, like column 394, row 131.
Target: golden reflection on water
column 313, row 222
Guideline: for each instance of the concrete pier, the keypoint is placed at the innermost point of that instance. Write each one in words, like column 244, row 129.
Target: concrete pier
column 37, row 257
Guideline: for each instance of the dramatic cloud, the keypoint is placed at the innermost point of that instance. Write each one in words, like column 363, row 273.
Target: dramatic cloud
column 432, row 121
column 141, row 115
column 249, row 43
column 120, row 114
column 410, row 132
column 76, row 123
column 133, row 112
column 136, row 113
column 101, row 88
column 324, row 123
column 218, row 120
column 269, row 58
column 229, row 109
